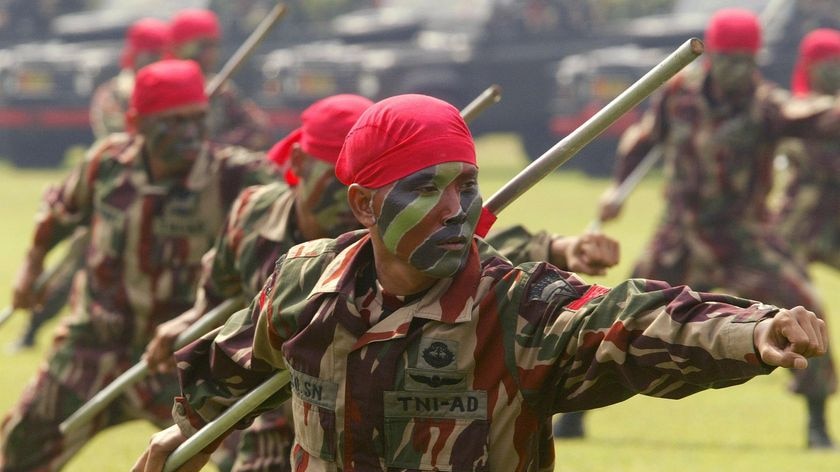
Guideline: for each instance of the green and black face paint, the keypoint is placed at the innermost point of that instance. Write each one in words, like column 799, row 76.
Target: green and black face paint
column 428, row 218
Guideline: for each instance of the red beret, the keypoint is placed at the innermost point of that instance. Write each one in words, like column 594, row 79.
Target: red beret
column 817, row 46
column 733, row 30
column 167, row 84
column 145, row 35
column 401, row 135
column 191, row 24
column 324, row 125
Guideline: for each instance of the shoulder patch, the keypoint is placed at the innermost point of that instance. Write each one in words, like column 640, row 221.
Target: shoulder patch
column 547, row 284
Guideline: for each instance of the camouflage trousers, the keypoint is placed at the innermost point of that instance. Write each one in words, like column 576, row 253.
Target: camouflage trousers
column 31, row 440
column 746, row 262
column 262, row 447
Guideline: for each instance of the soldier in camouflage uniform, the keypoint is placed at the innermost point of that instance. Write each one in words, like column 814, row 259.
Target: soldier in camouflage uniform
column 266, row 221
column 720, row 126
column 408, row 349
column 808, row 216
column 147, row 40
column 231, row 119
column 154, row 202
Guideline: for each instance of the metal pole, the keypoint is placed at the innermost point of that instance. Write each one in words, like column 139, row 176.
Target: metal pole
column 226, row 421
column 246, row 49
column 488, row 97
column 571, row 144
column 138, row 372
column 620, row 193
column 40, row 283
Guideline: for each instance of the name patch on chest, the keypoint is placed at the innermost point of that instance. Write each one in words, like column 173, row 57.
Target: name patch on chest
column 314, row 390
column 468, row 405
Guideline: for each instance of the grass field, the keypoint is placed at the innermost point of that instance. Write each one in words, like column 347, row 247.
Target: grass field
column 754, row 427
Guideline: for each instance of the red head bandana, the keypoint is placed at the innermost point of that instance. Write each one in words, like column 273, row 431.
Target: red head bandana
column 733, row 30
column 401, row 135
column 191, row 24
column 324, row 125
column 145, row 35
column 167, row 84
column 817, row 46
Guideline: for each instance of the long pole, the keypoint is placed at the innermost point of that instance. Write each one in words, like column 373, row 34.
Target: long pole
column 620, row 193
column 529, row 176
column 212, row 319
column 488, row 97
column 245, row 50
column 577, row 139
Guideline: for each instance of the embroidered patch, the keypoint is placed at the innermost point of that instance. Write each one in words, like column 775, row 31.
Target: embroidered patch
column 437, row 354
column 314, row 390
column 424, row 379
column 593, row 292
column 469, row 404
column 544, row 287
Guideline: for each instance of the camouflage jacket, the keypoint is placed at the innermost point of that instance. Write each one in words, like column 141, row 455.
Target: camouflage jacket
column 718, row 159
column 260, row 228
column 465, row 375
column 808, row 213
column 147, row 238
column 109, row 103
column 235, row 120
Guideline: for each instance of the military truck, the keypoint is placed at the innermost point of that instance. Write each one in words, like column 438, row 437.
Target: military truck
column 452, row 50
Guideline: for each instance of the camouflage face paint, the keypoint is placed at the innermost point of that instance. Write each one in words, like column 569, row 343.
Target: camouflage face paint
column 825, row 77
column 176, row 139
column 325, row 198
column 428, row 218
column 735, row 72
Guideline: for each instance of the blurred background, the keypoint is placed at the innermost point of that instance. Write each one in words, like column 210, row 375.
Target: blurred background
column 558, row 61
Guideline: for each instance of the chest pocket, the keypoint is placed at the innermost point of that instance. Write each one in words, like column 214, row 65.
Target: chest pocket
column 441, row 430
column 313, row 406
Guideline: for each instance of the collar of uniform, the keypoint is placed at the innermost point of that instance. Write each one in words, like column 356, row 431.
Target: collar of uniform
column 449, row 300
column 275, row 224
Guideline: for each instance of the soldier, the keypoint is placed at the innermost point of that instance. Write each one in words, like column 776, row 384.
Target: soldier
column 146, row 41
column 411, row 345
column 195, row 34
column 808, row 216
column 266, row 221
column 153, row 201
column 719, row 126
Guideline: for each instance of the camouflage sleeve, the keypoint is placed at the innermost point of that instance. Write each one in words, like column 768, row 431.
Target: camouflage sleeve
column 809, row 117
column 577, row 352
column 518, row 245
column 640, row 138
column 216, row 371
column 220, row 277
column 68, row 205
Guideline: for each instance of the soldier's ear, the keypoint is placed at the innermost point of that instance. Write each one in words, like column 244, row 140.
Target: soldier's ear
column 361, row 203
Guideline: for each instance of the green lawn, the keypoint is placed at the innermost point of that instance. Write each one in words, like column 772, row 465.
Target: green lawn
column 754, row 427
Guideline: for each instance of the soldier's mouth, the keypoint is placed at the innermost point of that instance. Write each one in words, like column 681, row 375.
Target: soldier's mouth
column 453, row 244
